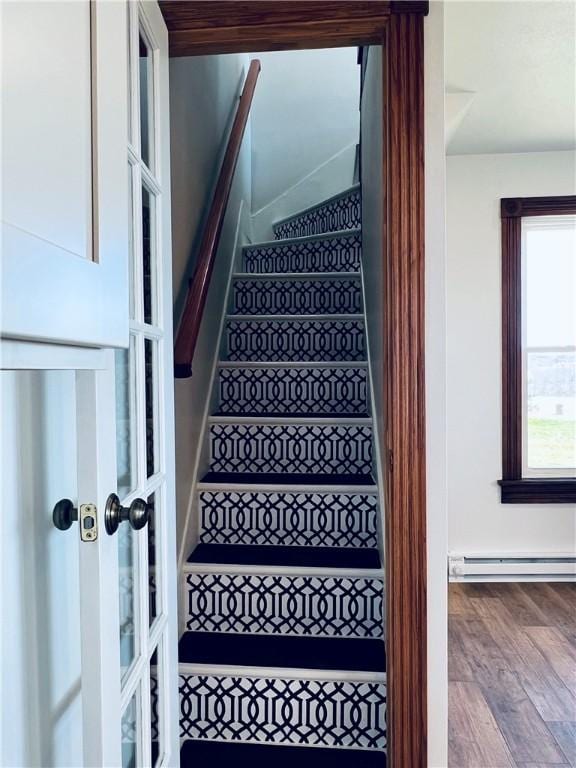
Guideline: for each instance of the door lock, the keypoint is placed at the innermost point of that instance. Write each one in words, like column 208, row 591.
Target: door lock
column 65, row 513
column 137, row 514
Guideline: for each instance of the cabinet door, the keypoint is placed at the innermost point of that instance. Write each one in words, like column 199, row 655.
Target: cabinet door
column 64, row 267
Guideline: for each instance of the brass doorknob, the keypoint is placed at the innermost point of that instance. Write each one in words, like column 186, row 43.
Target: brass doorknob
column 137, row 514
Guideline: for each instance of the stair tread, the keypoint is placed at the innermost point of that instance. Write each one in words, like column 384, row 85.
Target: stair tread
column 301, row 557
column 221, row 753
column 296, row 275
column 279, row 318
column 282, row 651
column 291, row 415
column 333, row 234
column 268, row 478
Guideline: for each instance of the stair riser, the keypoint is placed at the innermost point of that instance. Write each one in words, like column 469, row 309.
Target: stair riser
column 343, row 213
column 295, row 340
column 330, row 254
column 291, row 448
column 314, row 606
column 289, row 519
column 275, row 710
column 313, row 391
column 297, row 297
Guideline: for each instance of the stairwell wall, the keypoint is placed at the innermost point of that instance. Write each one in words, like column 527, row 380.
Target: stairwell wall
column 305, row 122
column 372, row 180
column 204, row 95
column 372, row 224
column 324, row 181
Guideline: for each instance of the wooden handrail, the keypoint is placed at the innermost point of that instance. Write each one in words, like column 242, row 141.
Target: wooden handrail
column 189, row 326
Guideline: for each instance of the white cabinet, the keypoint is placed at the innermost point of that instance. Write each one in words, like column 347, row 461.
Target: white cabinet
column 64, row 261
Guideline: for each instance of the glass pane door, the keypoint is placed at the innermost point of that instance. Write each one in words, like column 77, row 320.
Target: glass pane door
column 140, row 427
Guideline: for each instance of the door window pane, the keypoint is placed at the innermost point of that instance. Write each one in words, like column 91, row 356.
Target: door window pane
column 125, row 419
column 148, row 256
column 132, row 219
column 128, row 587
column 131, row 733
column 156, row 740
column 129, row 70
column 153, row 542
column 146, row 102
column 150, row 363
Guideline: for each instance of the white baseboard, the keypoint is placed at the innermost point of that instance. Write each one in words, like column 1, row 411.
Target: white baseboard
column 516, row 566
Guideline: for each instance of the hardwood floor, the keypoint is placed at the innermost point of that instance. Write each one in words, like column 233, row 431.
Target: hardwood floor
column 512, row 675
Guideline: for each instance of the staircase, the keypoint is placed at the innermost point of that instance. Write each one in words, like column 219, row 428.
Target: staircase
column 283, row 656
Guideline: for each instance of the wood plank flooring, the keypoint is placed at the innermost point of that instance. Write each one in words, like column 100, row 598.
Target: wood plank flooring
column 512, row 675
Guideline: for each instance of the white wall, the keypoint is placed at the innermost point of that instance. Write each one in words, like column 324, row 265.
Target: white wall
column 435, row 318
column 40, row 615
column 204, row 93
column 328, row 179
column 305, row 112
column 203, row 99
column 372, row 248
column 478, row 522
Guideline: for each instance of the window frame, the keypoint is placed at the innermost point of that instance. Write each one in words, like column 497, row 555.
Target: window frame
column 515, row 487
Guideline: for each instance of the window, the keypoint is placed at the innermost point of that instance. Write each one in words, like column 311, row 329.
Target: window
column 539, row 350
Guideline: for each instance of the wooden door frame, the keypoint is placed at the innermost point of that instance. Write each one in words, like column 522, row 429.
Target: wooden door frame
column 227, row 26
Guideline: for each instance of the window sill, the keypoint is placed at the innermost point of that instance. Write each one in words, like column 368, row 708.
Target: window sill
column 539, row 490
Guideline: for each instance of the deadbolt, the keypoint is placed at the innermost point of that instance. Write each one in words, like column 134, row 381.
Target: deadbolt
column 137, row 514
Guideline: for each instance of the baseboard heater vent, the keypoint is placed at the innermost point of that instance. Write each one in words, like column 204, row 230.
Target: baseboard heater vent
column 516, row 567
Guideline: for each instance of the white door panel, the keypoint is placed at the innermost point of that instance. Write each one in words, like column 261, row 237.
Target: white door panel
column 41, row 697
column 46, row 158
column 64, row 262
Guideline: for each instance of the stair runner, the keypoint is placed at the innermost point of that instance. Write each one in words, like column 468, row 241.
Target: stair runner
column 283, row 656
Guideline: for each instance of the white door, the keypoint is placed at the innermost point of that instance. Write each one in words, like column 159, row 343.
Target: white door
column 124, row 397
column 126, row 447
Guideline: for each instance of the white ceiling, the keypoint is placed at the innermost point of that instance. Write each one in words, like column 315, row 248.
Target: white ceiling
column 510, row 76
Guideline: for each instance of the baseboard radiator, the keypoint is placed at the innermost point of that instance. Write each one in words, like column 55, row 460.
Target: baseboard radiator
column 512, row 567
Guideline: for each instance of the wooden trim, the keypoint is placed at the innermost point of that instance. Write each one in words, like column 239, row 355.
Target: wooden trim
column 514, row 488
column 511, row 348
column 406, row 575
column 226, row 26
column 204, row 14
column 538, row 490
column 273, row 37
column 229, row 26
column 403, row 172
column 189, row 326
column 515, row 207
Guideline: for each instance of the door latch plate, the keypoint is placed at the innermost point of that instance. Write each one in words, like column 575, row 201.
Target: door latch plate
column 88, row 522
